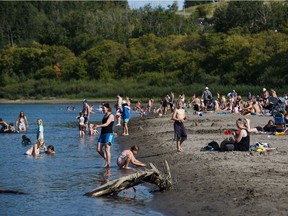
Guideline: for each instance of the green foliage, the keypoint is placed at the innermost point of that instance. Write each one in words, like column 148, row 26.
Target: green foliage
column 98, row 49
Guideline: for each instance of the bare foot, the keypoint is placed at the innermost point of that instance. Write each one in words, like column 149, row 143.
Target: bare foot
column 118, row 125
column 180, row 150
column 106, row 165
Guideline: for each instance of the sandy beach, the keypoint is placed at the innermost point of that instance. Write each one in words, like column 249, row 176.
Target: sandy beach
column 213, row 183
column 209, row 183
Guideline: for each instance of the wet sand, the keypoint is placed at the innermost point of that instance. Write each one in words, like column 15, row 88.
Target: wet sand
column 213, row 183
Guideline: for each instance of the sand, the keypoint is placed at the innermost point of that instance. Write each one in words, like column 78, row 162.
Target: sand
column 213, row 183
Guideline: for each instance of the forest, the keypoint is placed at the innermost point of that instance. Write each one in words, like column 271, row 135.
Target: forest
column 96, row 49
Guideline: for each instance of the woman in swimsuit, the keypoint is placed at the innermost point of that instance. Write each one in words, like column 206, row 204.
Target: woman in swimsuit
column 22, row 122
column 128, row 156
column 106, row 138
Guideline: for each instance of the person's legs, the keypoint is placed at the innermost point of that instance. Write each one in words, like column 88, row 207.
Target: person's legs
column 108, row 155
column 125, row 128
column 126, row 164
column 179, row 148
column 101, row 152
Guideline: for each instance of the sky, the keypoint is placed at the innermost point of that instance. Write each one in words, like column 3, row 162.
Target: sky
column 154, row 3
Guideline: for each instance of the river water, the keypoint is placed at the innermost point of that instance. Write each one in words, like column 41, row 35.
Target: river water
column 56, row 184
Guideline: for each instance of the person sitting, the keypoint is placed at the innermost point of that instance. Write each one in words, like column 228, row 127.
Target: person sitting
column 25, row 140
column 128, row 156
column 50, row 150
column 240, row 139
column 268, row 127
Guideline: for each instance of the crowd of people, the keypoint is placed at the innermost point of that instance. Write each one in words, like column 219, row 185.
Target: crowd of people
column 266, row 103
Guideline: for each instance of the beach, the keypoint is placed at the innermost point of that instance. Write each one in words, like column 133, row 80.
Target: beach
column 213, row 183
column 209, row 183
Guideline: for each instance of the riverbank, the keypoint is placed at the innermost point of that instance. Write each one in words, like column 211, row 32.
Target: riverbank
column 213, row 183
column 51, row 101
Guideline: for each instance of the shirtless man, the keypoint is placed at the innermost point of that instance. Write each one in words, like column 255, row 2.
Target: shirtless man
column 196, row 104
column 86, row 110
column 179, row 117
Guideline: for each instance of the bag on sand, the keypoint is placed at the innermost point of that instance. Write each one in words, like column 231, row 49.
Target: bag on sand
column 214, row 145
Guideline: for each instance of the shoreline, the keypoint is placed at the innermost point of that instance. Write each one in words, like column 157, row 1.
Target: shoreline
column 212, row 183
column 50, row 101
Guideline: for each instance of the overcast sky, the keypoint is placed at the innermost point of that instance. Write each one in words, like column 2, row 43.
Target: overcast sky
column 154, row 3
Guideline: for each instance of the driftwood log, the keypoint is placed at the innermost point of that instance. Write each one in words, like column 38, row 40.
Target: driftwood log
column 153, row 176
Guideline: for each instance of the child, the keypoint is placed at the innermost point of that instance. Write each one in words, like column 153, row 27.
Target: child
column 92, row 129
column 125, row 117
column 25, row 140
column 179, row 117
column 40, row 130
column 128, row 156
column 50, row 150
column 82, row 126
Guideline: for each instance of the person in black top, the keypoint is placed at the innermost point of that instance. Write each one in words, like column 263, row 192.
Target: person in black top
column 242, row 137
column 106, row 138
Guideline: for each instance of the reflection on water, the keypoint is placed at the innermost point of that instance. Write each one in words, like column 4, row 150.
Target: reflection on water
column 56, row 184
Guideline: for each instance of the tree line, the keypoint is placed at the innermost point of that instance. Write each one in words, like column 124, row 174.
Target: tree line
column 64, row 49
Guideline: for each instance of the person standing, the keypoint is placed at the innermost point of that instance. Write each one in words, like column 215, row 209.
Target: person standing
column 40, row 130
column 22, row 122
column 125, row 117
column 82, row 126
column 150, row 104
column 179, row 117
column 207, row 96
column 118, row 107
column 106, row 138
column 86, row 110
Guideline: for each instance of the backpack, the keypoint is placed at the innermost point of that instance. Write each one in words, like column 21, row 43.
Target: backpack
column 214, row 145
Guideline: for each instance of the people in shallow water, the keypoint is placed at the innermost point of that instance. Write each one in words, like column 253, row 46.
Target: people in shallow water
column 50, row 150
column 10, row 129
column 22, row 122
column 3, row 124
column 106, row 138
column 25, row 140
column 35, row 149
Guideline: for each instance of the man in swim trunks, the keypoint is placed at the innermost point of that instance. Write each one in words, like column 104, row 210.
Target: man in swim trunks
column 128, row 156
column 179, row 117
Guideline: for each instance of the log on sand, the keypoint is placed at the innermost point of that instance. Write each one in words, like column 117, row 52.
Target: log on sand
column 153, row 176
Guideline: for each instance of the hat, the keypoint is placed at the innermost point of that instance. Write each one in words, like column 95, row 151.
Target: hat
column 124, row 102
column 264, row 89
column 85, row 101
column 206, row 88
column 107, row 105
